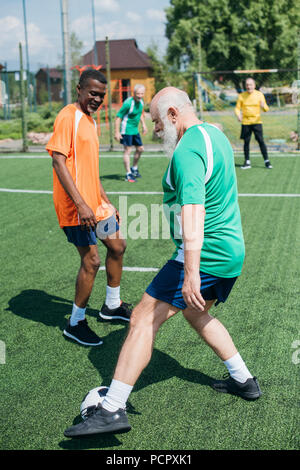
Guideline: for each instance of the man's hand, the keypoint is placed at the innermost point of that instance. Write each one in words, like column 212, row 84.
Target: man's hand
column 87, row 217
column 145, row 130
column 118, row 136
column 191, row 291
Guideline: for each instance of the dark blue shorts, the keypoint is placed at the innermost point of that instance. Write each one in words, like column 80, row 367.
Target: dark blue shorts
column 167, row 285
column 80, row 237
column 130, row 140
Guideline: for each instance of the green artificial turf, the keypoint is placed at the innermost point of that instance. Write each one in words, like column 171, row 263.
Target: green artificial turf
column 172, row 407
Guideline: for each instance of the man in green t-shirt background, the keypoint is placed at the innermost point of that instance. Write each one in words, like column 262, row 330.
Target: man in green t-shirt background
column 201, row 201
column 127, row 131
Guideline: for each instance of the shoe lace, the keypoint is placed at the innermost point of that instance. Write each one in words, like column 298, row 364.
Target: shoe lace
column 126, row 305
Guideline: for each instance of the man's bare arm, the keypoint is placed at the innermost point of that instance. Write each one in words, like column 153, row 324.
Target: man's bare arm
column 192, row 218
column 117, row 129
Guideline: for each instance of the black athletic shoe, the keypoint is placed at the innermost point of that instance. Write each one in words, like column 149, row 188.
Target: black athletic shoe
column 130, row 178
column 246, row 166
column 121, row 313
column 249, row 390
column 82, row 334
column 99, row 422
column 135, row 173
column 268, row 165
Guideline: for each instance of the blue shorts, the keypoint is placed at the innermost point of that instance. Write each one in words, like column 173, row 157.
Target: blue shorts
column 81, row 237
column 167, row 285
column 130, row 140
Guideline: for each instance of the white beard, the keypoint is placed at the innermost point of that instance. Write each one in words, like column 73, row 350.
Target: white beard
column 170, row 137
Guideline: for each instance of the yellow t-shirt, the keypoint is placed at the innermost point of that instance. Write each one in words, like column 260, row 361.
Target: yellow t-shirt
column 249, row 104
column 75, row 136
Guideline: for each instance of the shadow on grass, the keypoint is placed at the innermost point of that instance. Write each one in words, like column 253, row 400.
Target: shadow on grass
column 113, row 177
column 161, row 367
column 95, row 442
column 38, row 306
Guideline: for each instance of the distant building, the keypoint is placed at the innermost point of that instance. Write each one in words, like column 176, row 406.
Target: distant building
column 55, row 80
column 128, row 66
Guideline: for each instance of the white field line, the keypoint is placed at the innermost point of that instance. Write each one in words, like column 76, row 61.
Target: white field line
column 154, row 155
column 133, row 269
column 144, row 193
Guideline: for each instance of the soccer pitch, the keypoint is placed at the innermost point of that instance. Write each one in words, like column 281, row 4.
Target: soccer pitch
column 44, row 377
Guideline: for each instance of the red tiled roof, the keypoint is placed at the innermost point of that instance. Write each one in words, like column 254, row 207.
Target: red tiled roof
column 124, row 54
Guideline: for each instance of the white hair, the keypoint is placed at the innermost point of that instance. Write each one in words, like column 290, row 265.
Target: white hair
column 139, row 86
column 179, row 99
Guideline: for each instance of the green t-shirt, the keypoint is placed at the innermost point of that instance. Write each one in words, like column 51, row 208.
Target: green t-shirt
column 130, row 113
column 202, row 172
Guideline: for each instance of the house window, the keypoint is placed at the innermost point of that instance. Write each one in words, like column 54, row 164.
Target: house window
column 125, row 89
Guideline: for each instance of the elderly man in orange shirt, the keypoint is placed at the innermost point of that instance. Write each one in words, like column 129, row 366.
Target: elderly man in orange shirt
column 247, row 110
column 83, row 208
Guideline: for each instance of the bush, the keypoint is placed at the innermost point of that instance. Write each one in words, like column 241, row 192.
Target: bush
column 10, row 129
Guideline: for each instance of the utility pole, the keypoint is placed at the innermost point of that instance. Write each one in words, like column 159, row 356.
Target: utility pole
column 94, row 34
column 23, row 110
column 109, row 93
column 29, row 97
column 66, row 51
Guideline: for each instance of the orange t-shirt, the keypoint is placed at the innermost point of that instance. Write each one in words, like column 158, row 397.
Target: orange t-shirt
column 75, row 136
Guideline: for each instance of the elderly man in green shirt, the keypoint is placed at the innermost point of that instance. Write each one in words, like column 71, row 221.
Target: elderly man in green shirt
column 201, row 200
column 127, row 131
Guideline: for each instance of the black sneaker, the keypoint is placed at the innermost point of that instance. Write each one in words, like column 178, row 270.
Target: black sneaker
column 99, row 422
column 82, row 334
column 246, row 166
column 120, row 313
column 130, row 178
column 135, row 173
column 268, row 165
column 249, row 390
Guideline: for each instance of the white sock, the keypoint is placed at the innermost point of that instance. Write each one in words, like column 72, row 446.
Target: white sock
column 113, row 297
column 248, row 162
column 238, row 369
column 116, row 396
column 77, row 315
column 134, row 167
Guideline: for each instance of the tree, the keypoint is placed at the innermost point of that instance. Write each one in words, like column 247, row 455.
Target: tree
column 244, row 34
column 76, row 46
column 165, row 74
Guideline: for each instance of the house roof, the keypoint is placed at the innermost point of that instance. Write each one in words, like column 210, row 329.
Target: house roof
column 124, row 54
column 53, row 72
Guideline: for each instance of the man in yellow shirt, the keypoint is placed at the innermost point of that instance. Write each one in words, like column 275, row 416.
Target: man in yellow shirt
column 247, row 110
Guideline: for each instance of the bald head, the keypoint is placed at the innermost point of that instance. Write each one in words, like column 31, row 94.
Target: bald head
column 170, row 97
column 172, row 113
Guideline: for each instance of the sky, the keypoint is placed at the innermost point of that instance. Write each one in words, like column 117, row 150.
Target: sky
column 117, row 19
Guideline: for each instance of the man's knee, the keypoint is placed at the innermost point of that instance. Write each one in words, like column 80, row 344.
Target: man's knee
column 116, row 248
column 140, row 149
column 140, row 320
